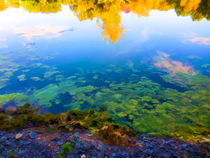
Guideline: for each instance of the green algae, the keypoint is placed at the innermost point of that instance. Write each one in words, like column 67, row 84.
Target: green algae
column 140, row 103
column 45, row 95
column 50, row 93
column 147, row 108
column 49, row 74
column 98, row 123
column 16, row 97
column 66, row 149
column 36, row 78
column 133, row 99
column 21, row 77
column 86, row 89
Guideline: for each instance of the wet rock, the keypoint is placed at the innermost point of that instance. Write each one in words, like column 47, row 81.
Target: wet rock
column 99, row 147
column 7, row 142
column 60, row 143
column 4, row 138
column 113, row 155
column 79, row 145
column 2, row 133
column 29, row 146
column 123, row 154
column 101, row 153
column 184, row 145
column 26, row 142
column 33, row 135
column 20, row 152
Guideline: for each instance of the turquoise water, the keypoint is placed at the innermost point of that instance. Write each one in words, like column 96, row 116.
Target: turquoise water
column 153, row 78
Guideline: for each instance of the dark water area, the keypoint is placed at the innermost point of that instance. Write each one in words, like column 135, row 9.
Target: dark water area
column 146, row 62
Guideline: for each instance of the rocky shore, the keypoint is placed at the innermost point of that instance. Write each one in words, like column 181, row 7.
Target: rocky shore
column 41, row 143
column 25, row 133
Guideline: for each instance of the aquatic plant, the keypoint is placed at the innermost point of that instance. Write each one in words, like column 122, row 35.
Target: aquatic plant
column 69, row 121
column 86, row 89
column 36, row 78
column 16, row 97
column 12, row 154
column 49, row 74
column 148, row 108
column 65, row 150
column 21, row 77
column 45, row 95
column 175, row 106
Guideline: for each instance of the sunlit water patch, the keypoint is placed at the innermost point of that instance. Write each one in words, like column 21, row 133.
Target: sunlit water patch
column 150, row 73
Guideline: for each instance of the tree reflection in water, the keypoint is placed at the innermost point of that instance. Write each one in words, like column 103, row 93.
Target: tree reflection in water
column 108, row 12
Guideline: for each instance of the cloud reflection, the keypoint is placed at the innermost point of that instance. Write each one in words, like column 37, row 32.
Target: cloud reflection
column 173, row 67
column 201, row 40
column 3, row 39
column 108, row 12
column 45, row 31
column 3, row 45
column 194, row 38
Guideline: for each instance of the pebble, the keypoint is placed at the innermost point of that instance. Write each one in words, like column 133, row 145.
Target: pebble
column 184, row 145
column 83, row 156
column 18, row 136
column 33, row 135
column 152, row 147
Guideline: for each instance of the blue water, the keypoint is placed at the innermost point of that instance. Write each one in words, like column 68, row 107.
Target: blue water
column 47, row 58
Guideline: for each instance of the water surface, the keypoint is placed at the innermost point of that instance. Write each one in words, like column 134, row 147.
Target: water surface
column 146, row 63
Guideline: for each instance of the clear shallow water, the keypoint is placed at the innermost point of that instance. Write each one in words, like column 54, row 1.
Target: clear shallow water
column 150, row 73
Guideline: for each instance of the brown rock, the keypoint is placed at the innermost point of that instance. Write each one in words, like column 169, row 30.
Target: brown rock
column 1, row 109
column 11, row 110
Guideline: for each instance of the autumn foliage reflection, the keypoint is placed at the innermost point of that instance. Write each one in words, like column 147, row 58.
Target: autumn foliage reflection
column 108, row 12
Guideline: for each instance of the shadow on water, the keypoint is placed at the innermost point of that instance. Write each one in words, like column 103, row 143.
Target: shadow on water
column 58, row 108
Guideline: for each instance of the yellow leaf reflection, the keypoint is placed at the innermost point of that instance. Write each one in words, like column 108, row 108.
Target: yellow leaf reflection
column 189, row 5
